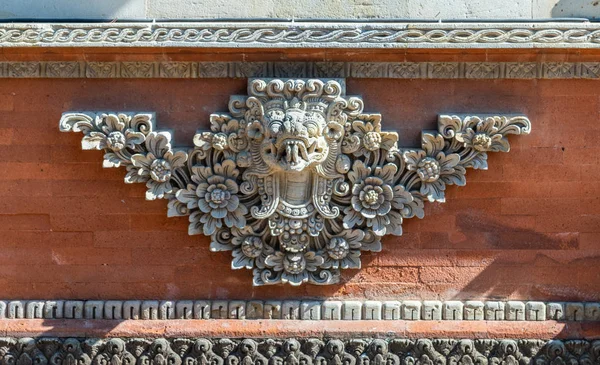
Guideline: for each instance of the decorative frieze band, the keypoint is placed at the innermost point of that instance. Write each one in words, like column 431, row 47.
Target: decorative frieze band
column 177, row 351
column 428, row 310
column 299, row 34
column 393, row 70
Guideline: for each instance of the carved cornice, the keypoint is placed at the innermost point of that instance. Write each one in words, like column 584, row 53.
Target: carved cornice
column 360, row 351
column 383, row 70
column 347, row 310
column 304, row 35
column 296, row 180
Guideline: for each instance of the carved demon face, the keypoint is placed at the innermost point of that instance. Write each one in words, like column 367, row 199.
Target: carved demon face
column 295, row 139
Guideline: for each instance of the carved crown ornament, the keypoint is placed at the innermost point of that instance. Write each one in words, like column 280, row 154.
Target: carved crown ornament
column 296, row 180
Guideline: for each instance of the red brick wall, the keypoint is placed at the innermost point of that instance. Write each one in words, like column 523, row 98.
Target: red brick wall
column 528, row 228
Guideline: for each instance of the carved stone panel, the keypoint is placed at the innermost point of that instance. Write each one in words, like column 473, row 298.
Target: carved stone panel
column 295, row 180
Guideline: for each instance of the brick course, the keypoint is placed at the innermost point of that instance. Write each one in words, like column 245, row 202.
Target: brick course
column 528, row 228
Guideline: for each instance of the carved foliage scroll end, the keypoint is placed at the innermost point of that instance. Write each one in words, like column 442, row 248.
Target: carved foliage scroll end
column 296, row 180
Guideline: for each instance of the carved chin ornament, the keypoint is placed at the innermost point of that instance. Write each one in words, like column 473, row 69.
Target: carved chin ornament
column 296, row 180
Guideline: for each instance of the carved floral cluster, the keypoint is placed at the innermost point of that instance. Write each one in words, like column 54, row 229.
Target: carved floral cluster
column 354, row 183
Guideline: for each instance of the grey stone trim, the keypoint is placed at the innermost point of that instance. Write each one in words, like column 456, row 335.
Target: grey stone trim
column 427, row 310
column 362, row 351
column 299, row 34
column 392, row 70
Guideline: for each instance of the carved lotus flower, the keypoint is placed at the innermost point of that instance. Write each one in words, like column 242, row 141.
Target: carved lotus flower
column 434, row 168
column 156, row 166
column 225, row 136
column 485, row 137
column 343, row 251
column 373, row 196
column 112, row 133
column 294, row 266
column 249, row 250
column 366, row 136
column 213, row 196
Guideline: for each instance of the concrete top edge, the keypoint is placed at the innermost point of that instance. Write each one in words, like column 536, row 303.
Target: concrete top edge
column 303, row 35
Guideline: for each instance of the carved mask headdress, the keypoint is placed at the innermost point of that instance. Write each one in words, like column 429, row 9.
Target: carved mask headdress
column 296, row 180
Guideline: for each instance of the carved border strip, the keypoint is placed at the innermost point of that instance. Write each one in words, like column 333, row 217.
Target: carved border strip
column 365, row 351
column 302, row 310
column 393, row 70
column 303, row 35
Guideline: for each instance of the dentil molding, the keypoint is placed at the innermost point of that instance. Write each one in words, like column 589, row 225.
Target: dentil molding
column 327, row 310
column 296, row 180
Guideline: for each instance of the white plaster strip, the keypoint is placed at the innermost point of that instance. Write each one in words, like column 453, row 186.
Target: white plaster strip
column 302, row 310
column 394, row 70
column 300, row 34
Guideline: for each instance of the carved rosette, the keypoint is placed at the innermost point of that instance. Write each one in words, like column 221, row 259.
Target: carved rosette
column 296, row 180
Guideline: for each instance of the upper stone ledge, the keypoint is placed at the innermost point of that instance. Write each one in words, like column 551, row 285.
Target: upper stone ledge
column 298, row 34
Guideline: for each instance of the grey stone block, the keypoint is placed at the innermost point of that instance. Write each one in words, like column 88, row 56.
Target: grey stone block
column 352, row 310
column 184, row 309
column 34, row 309
column 290, row 309
column 411, row 310
column 574, row 311
column 16, row 309
column 73, row 309
column 202, row 309
column 93, row 309
column 219, row 309
column 131, row 309
column 255, row 309
column 3, row 307
column 592, row 311
column 515, row 311
column 237, row 309
column 555, row 311
column 311, row 310
column 494, row 311
column 452, row 310
column 272, row 309
column 331, row 310
column 392, row 310
column 372, row 310
column 473, row 310
column 113, row 309
column 535, row 311
column 166, row 309
column 54, row 309
column 432, row 310
column 149, row 309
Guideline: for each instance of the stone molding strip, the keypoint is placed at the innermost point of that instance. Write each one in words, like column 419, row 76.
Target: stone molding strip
column 332, row 351
column 393, row 70
column 298, row 34
column 432, row 310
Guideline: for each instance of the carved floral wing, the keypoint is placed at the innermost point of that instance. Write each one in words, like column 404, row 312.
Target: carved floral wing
column 296, row 180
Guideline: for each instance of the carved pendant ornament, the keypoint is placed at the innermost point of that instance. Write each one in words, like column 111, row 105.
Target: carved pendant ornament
column 296, row 180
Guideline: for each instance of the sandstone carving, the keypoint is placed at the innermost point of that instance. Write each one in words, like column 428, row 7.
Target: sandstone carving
column 362, row 351
column 296, row 180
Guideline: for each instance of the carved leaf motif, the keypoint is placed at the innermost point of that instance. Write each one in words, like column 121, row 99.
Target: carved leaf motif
column 295, row 181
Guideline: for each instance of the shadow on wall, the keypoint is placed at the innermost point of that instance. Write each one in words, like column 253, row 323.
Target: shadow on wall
column 68, row 9
column 531, row 264
column 577, row 9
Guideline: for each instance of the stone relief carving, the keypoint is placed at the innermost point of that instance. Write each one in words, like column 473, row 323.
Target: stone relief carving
column 296, row 180
column 362, row 351
column 303, row 34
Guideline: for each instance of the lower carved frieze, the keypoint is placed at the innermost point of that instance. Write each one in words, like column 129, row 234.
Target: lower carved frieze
column 204, row 351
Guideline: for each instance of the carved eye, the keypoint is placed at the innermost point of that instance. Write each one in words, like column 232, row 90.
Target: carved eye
column 275, row 126
column 313, row 129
